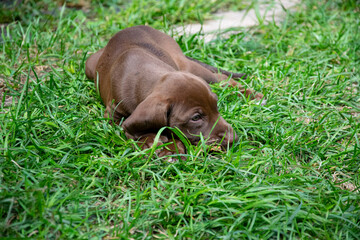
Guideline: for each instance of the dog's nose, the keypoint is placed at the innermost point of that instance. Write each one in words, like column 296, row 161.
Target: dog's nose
column 235, row 136
column 228, row 137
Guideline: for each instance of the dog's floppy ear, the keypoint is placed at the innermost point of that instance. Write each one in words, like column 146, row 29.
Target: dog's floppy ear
column 148, row 117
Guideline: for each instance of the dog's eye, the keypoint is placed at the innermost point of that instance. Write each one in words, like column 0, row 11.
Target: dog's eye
column 196, row 118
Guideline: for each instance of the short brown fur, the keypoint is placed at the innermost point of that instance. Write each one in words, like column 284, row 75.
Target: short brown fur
column 143, row 76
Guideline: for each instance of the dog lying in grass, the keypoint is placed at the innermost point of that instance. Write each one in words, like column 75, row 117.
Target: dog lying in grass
column 144, row 77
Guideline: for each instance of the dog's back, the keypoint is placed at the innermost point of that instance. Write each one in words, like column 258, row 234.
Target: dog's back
column 144, row 37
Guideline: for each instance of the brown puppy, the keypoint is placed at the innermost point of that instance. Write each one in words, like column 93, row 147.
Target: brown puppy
column 143, row 76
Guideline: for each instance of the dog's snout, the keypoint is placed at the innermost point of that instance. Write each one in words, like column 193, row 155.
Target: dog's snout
column 227, row 137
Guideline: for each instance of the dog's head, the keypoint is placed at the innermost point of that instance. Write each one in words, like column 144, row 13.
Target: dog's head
column 184, row 101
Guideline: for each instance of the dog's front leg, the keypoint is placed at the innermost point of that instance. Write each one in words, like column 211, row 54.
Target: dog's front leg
column 172, row 146
column 248, row 92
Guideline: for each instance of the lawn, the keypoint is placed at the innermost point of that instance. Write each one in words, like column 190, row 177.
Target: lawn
column 66, row 173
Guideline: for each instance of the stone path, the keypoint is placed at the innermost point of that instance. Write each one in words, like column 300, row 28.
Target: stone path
column 274, row 11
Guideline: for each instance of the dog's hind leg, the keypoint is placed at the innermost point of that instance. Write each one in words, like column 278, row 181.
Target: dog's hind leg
column 218, row 70
column 213, row 75
column 91, row 63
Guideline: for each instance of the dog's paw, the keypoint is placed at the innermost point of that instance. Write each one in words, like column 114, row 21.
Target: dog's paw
column 171, row 157
column 260, row 99
column 176, row 147
column 261, row 102
column 172, row 160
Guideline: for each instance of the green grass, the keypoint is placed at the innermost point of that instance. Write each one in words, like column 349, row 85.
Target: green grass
column 65, row 172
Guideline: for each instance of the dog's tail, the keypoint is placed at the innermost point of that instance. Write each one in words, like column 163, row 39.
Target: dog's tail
column 91, row 63
column 216, row 70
